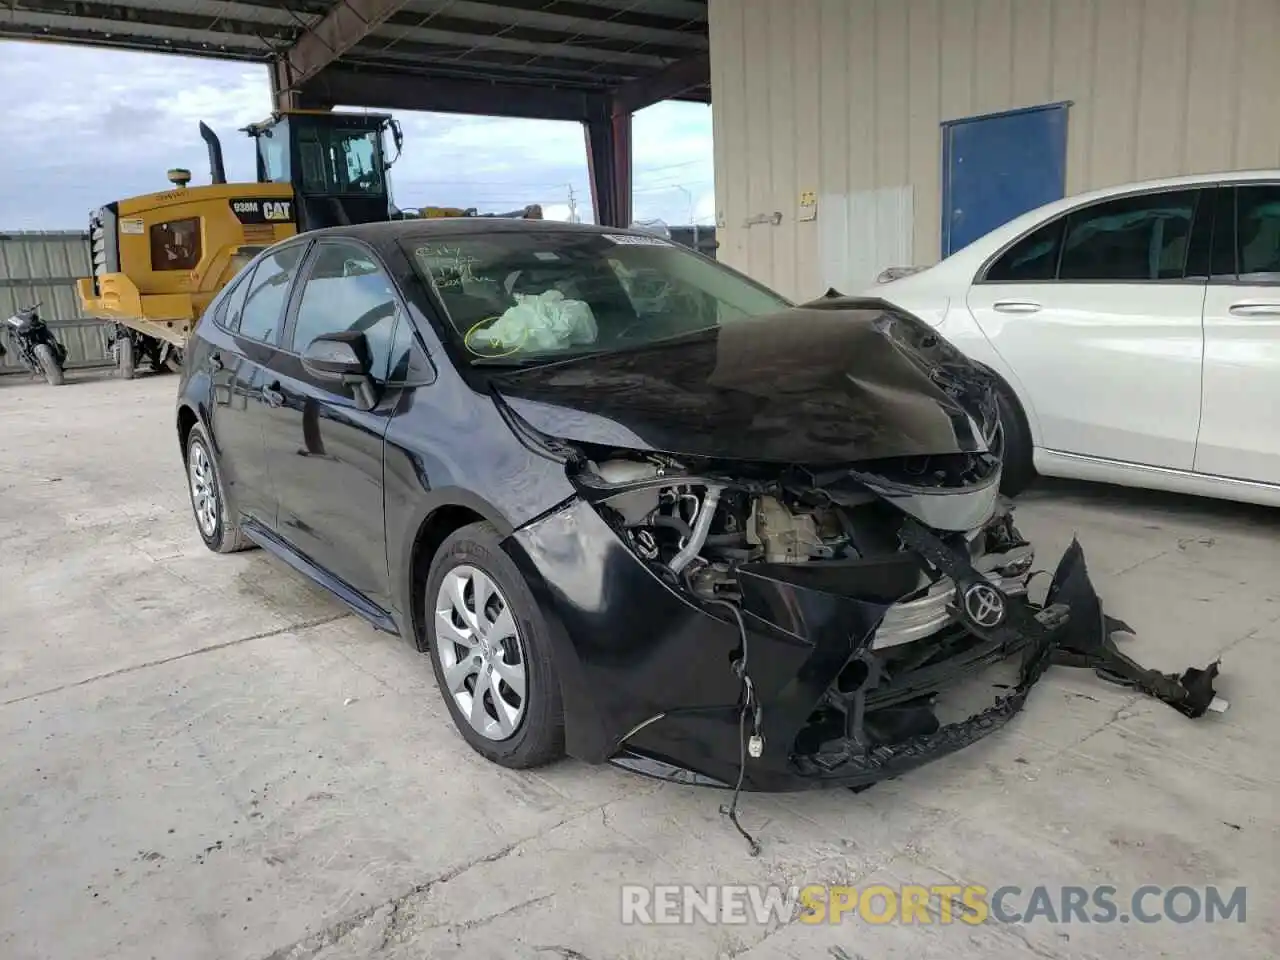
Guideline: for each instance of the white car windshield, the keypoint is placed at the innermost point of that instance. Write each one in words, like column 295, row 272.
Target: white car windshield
column 548, row 294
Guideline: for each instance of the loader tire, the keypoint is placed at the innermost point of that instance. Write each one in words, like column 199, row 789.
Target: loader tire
column 124, row 358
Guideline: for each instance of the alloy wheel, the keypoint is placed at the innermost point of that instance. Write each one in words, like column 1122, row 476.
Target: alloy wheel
column 204, row 489
column 481, row 652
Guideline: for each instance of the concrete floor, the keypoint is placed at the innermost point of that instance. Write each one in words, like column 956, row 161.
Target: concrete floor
column 205, row 757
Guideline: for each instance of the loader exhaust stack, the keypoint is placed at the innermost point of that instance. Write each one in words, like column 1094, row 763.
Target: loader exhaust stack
column 217, row 172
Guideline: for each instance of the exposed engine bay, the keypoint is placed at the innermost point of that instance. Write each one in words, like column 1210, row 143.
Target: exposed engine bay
column 702, row 528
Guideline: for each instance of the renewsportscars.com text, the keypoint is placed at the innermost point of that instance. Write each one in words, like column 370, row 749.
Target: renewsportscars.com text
column 940, row 904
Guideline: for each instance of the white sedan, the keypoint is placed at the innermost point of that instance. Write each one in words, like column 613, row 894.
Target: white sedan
column 1136, row 330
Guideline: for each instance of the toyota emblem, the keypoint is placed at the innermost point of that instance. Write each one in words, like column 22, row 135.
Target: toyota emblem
column 984, row 604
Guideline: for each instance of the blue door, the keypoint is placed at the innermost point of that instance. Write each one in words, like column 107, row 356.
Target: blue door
column 998, row 166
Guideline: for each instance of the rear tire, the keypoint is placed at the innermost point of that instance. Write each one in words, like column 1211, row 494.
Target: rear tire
column 483, row 629
column 1019, row 469
column 214, row 521
column 49, row 364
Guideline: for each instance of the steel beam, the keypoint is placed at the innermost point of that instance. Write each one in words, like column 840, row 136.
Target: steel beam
column 444, row 95
column 672, row 81
column 325, row 41
column 463, row 41
column 599, row 25
column 116, row 25
column 424, row 60
column 145, row 39
column 677, row 9
column 609, row 165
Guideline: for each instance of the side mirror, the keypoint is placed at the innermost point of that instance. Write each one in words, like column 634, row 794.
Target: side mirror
column 343, row 358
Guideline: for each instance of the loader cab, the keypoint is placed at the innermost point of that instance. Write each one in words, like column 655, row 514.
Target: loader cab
column 335, row 163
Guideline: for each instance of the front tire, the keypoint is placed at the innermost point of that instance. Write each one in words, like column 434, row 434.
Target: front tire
column 49, row 364
column 214, row 522
column 490, row 652
column 1019, row 469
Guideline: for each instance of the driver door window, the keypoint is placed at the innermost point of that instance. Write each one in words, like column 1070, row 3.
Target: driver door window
column 267, row 293
column 347, row 289
column 1257, row 234
column 1129, row 240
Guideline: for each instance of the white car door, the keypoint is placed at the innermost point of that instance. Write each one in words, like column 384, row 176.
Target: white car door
column 1099, row 315
column 1240, row 421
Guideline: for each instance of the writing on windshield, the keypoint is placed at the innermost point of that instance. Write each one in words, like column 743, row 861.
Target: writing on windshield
column 450, row 266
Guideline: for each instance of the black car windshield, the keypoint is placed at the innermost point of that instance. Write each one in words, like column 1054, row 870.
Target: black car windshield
column 547, row 294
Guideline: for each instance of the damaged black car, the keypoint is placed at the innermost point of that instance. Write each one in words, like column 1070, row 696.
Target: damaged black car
column 634, row 506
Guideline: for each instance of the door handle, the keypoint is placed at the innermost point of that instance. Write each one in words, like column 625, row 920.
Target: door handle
column 1256, row 308
column 272, row 395
column 1016, row 306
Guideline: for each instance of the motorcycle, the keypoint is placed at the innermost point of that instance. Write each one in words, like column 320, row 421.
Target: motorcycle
column 39, row 351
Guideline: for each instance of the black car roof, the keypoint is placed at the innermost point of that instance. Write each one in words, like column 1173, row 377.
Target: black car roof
column 392, row 230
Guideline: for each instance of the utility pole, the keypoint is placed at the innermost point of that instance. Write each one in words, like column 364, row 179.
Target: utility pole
column 573, row 206
column 692, row 219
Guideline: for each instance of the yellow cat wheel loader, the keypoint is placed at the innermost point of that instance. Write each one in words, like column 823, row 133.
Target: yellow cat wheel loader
column 159, row 259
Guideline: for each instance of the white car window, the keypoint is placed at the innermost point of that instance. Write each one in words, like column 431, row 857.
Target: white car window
column 1034, row 257
column 1137, row 238
column 1129, row 239
column 1258, row 233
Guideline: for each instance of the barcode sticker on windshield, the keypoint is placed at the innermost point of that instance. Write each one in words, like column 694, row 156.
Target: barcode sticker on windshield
column 627, row 239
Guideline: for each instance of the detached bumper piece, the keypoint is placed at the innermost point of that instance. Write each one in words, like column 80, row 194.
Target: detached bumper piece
column 880, row 718
column 1086, row 641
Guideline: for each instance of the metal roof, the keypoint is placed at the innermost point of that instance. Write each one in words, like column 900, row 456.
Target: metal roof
column 586, row 46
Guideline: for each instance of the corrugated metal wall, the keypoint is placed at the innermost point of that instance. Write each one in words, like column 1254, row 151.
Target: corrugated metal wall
column 845, row 97
column 40, row 265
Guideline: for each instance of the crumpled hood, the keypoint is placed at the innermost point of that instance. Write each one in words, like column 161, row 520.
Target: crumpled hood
column 833, row 381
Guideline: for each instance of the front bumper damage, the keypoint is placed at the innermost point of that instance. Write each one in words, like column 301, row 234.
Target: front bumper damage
column 788, row 555
column 1068, row 629
column 825, row 691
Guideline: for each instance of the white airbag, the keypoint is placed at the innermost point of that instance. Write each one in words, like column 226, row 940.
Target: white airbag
column 544, row 321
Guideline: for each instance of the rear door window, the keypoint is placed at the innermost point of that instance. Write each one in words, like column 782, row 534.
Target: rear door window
column 1034, row 257
column 226, row 311
column 1257, row 233
column 1130, row 239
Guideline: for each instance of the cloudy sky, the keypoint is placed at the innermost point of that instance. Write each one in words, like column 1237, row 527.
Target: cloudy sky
column 82, row 127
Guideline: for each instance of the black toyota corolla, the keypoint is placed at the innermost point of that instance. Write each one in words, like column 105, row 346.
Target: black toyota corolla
column 634, row 506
